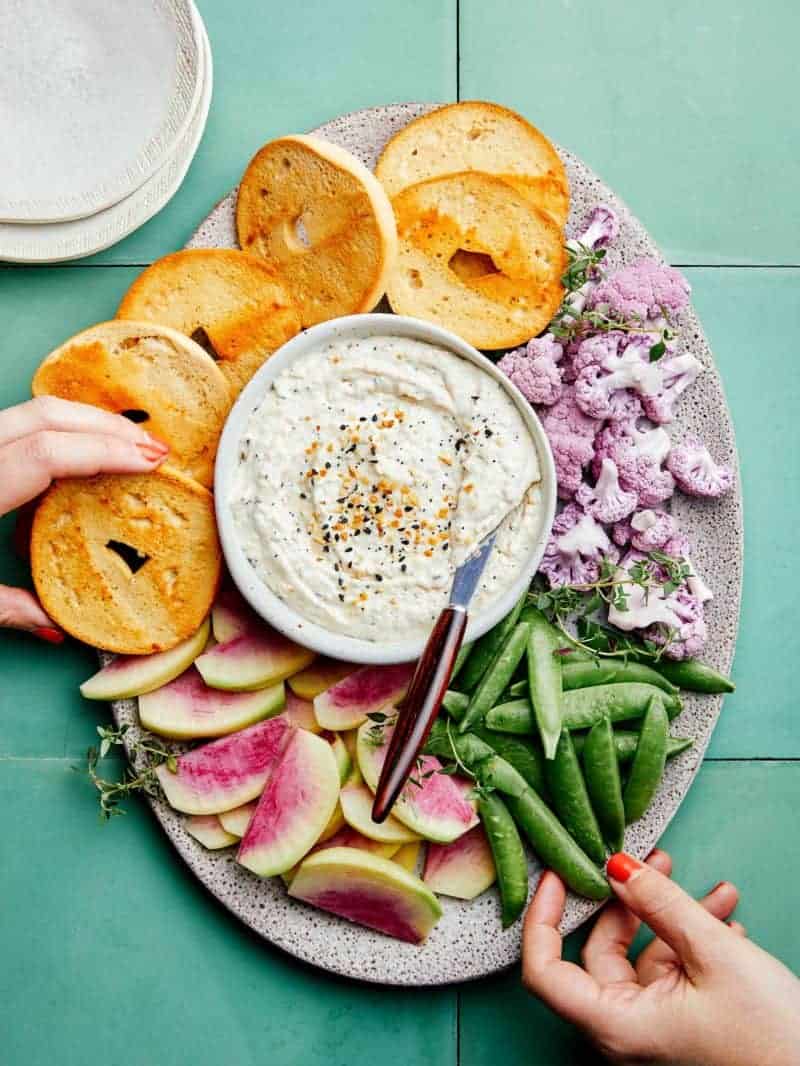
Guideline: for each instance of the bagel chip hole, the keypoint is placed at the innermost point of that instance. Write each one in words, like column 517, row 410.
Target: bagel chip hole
column 199, row 336
column 135, row 415
column 131, row 557
column 469, row 266
column 296, row 234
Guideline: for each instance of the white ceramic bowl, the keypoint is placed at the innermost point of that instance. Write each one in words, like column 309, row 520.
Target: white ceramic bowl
column 276, row 611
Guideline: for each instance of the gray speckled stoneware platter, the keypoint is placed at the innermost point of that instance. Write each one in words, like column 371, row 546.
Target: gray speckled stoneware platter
column 468, row 941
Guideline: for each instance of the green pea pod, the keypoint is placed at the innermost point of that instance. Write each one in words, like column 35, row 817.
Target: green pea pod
column 544, row 680
column 455, row 703
column 603, row 783
column 496, row 677
column 484, row 650
column 516, row 716
column 647, row 767
column 522, row 754
column 581, row 708
column 590, row 672
column 625, row 741
column 571, row 799
column 508, row 854
column 555, row 847
column 461, row 658
column 519, row 688
column 694, row 676
column 479, row 758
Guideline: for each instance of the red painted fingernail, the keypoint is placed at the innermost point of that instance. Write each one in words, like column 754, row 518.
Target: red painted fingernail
column 621, row 866
column 52, row 636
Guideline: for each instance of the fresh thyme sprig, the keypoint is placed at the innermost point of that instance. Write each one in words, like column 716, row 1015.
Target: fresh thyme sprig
column 583, row 264
column 111, row 793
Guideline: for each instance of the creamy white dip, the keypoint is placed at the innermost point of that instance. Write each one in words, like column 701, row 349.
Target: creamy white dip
column 370, row 471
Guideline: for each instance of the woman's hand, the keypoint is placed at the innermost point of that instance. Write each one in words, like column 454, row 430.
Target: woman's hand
column 700, row 994
column 50, row 438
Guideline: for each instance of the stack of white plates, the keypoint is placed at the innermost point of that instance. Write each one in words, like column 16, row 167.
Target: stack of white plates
column 102, row 107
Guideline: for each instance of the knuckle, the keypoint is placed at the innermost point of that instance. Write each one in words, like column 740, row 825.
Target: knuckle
column 42, row 448
column 47, row 408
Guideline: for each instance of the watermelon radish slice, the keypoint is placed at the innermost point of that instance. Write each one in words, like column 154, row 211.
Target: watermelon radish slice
column 187, row 708
column 462, row 869
column 133, row 675
column 294, row 808
column 207, row 829
column 407, row 855
column 347, row 838
column 236, row 821
column 231, row 615
column 344, row 763
column 254, row 659
column 356, row 802
column 321, row 675
column 436, row 807
column 369, row 890
column 300, row 712
column 346, row 704
column 226, row 773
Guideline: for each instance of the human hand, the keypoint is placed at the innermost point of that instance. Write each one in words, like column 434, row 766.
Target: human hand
column 701, row 994
column 49, row 438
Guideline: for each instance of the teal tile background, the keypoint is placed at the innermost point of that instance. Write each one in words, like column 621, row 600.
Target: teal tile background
column 110, row 948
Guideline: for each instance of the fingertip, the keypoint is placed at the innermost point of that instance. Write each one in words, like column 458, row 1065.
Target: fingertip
column 737, row 928
column 547, row 904
column 151, row 452
column 660, row 860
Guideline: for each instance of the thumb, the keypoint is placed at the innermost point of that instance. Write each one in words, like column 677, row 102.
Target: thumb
column 673, row 915
column 20, row 609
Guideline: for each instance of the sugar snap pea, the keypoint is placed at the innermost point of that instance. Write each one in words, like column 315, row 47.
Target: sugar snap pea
column 647, row 767
column 455, row 703
column 694, row 676
column 544, row 679
column 590, row 672
column 525, row 756
column 581, row 708
column 478, row 757
column 625, row 741
column 571, row 799
column 484, row 650
column 555, row 847
column 497, row 676
column 461, row 658
column 508, row 854
column 601, row 770
column 515, row 716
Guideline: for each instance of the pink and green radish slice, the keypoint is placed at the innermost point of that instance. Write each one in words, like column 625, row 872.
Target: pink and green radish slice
column 231, row 616
column 336, row 821
column 300, row 712
column 356, row 802
column 347, row 838
column 435, row 806
column 252, row 660
column 187, row 709
column 321, row 675
column 346, row 704
column 407, row 855
column 236, row 821
column 368, row 890
column 462, row 869
column 350, row 738
column 344, row 763
column 226, row 773
column 294, row 808
column 133, row 675
column 208, row 830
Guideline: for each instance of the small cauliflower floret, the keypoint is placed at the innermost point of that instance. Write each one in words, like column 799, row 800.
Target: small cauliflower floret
column 695, row 472
column 686, row 635
column 571, row 434
column 577, row 547
column 645, row 290
column 601, row 389
column 652, row 530
column 607, row 502
column 534, row 369
column 639, row 456
column 678, row 373
column 648, row 531
column 599, row 230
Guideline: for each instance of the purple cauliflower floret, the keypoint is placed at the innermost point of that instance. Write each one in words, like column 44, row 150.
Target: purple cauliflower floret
column 694, row 470
column 594, row 350
column 678, row 373
column 576, row 549
column 644, row 290
column 534, row 369
column 600, row 228
column 685, row 636
column 652, row 530
column 622, row 532
column 607, row 502
column 639, row 456
column 601, row 388
column 571, row 434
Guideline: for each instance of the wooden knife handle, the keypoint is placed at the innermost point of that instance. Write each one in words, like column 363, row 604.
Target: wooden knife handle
column 420, row 707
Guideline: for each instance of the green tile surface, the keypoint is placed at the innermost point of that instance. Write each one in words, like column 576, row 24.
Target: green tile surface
column 679, row 107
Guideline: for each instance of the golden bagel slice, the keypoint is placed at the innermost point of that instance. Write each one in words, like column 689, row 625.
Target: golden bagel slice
column 476, row 258
column 126, row 562
column 153, row 374
column 316, row 214
column 231, row 303
column 473, row 135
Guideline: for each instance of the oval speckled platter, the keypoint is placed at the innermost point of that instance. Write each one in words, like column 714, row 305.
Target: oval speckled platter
column 468, row 941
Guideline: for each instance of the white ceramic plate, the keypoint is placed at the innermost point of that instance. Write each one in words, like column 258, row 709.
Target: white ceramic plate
column 468, row 942
column 94, row 97
column 56, row 242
